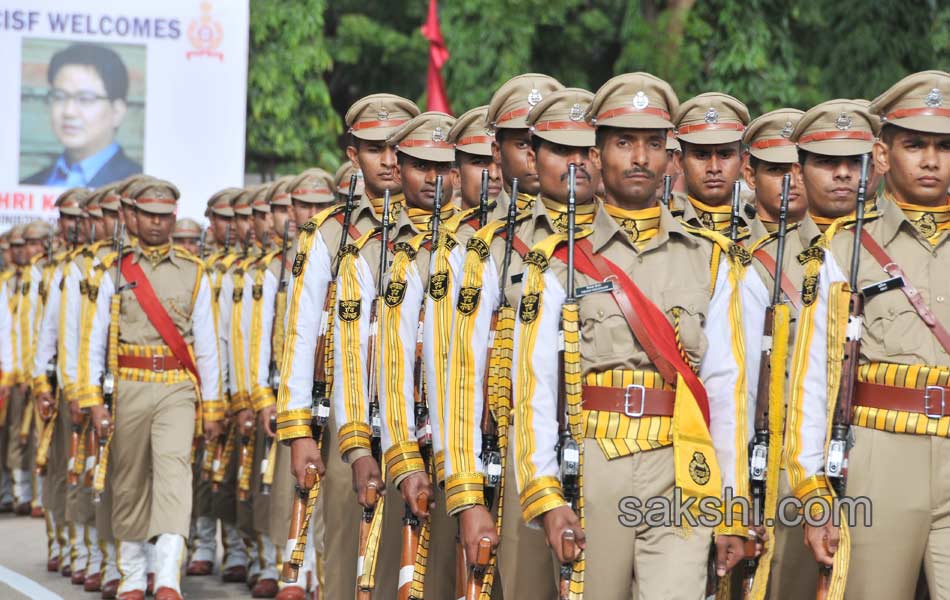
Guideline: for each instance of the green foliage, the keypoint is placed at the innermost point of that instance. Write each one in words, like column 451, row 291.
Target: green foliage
column 311, row 59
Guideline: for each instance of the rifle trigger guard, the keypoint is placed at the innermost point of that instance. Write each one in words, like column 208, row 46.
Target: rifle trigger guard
column 927, row 397
column 634, row 414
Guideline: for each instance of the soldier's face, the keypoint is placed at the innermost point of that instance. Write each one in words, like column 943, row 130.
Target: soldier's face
column 377, row 161
column 513, row 154
column 219, row 225
column 632, row 163
column 710, row 171
column 303, row 211
column 469, row 178
column 131, row 223
column 100, row 229
column 109, row 219
column 417, row 178
column 281, row 216
column 831, row 184
column 155, row 229
column 552, row 162
column 242, row 225
column 68, row 225
column 766, row 181
column 189, row 244
column 916, row 166
column 19, row 254
column 84, row 118
column 263, row 224
column 34, row 247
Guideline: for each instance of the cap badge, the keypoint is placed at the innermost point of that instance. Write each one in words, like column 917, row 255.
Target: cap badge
column 534, row 96
column 711, row 116
column 934, row 98
column 577, row 113
column 843, row 122
column 438, row 135
column 382, row 114
column 787, row 130
column 640, row 100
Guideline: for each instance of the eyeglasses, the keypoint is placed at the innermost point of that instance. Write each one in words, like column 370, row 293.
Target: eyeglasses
column 83, row 99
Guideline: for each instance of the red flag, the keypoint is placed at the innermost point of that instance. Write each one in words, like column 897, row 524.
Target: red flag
column 436, row 98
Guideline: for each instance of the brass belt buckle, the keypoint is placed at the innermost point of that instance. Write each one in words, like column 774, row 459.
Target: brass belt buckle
column 927, row 398
column 158, row 363
column 634, row 414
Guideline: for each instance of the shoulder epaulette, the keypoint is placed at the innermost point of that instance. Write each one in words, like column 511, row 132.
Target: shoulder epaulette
column 770, row 237
column 541, row 253
column 847, row 222
column 317, row 220
column 185, row 254
column 735, row 251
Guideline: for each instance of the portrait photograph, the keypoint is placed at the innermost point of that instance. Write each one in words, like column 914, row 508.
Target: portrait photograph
column 82, row 112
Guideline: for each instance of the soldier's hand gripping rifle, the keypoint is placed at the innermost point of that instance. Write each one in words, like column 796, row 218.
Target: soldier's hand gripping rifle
column 569, row 359
column 667, row 191
column 477, row 570
column 735, row 214
column 836, row 462
column 772, row 339
column 109, row 377
column 366, row 541
column 298, row 523
column 319, row 393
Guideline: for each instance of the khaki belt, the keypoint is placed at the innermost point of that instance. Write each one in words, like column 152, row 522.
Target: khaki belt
column 156, row 364
column 932, row 401
column 633, row 400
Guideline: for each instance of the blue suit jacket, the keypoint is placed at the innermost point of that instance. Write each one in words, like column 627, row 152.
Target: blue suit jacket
column 117, row 168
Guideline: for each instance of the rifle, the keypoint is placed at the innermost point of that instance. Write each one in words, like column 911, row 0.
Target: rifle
column 568, row 548
column 734, row 217
column 247, row 242
column 568, row 449
column 836, row 463
column 202, row 241
column 667, row 190
column 227, row 238
column 319, row 394
column 410, row 544
column 364, row 591
column 298, row 522
column 269, row 461
column 483, row 201
column 245, row 464
column 273, row 376
column 108, row 376
column 759, row 446
column 478, row 569
column 72, row 477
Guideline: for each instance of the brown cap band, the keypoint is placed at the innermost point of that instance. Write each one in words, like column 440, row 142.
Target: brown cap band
column 917, row 112
column 513, row 114
column 562, row 125
column 474, row 139
column 156, row 201
column 763, row 144
column 630, row 110
column 372, row 124
column 424, row 144
column 685, row 129
column 822, row 136
column 302, row 191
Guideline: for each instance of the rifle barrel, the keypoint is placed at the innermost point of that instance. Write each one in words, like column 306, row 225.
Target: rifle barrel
column 667, row 190
column 734, row 219
column 571, row 222
column 483, row 200
column 859, row 220
column 509, row 240
column 782, row 231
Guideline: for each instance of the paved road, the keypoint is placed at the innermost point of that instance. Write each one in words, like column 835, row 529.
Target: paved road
column 23, row 574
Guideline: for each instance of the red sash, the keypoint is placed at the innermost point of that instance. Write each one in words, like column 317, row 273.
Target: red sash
column 647, row 322
column 157, row 315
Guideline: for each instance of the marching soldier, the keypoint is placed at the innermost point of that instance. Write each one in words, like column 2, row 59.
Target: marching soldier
column 473, row 156
column 187, row 234
column 772, row 155
column 888, row 400
column 349, row 458
column 709, row 131
column 163, row 343
column 624, row 347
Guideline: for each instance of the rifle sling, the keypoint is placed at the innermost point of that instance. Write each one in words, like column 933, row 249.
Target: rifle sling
column 912, row 293
column 653, row 332
column 794, row 296
column 157, row 315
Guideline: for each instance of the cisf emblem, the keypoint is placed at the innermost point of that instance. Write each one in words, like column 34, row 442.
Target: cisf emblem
column 205, row 35
column 468, row 299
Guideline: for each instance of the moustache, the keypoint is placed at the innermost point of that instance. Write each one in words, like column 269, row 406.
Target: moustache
column 581, row 171
column 640, row 171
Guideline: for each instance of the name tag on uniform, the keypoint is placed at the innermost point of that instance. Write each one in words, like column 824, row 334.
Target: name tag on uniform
column 594, row 288
column 517, row 277
column 894, row 283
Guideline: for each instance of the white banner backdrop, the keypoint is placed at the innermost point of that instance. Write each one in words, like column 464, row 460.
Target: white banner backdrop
column 99, row 90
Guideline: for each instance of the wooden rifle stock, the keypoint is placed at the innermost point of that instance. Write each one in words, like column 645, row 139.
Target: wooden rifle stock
column 476, row 576
column 824, row 582
column 92, row 452
column 298, row 519
column 366, row 519
column 269, row 460
column 410, row 542
column 72, row 477
column 568, row 548
column 222, row 456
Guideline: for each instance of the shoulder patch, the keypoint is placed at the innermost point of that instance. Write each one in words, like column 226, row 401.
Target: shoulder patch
column 309, row 227
column 349, row 310
column 257, row 291
column 528, row 311
column 739, row 254
column 405, row 248
column 478, row 246
column 349, row 249
column 439, row 285
column 237, row 294
column 811, row 253
column 92, row 292
column 537, row 259
column 468, row 299
column 299, row 261
column 809, row 289
column 395, row 292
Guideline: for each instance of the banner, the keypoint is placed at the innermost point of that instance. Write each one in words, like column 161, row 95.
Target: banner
column 104, row 90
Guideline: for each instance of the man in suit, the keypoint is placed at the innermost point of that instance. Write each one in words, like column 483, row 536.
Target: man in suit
column 89, row 85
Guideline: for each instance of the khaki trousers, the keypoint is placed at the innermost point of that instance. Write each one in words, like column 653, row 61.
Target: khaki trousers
column 666, row 562
column 907, row 479
column 150, row 459
column 794, row 574
column 54, row 486
column 526, row 567
column 18, row 454
column 259, row 502
column 341, row 511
